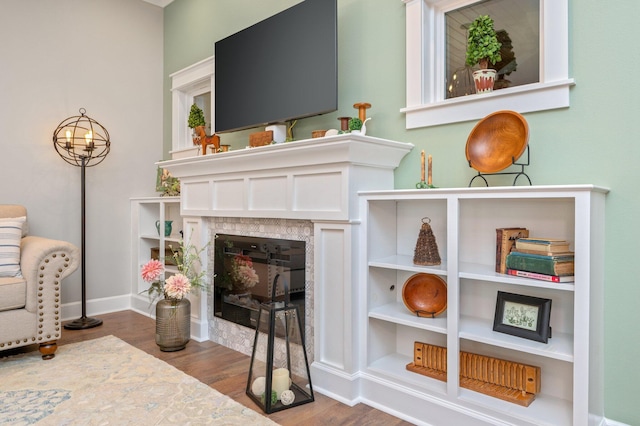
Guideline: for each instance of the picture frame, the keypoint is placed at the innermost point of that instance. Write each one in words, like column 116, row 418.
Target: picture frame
column 523, row 316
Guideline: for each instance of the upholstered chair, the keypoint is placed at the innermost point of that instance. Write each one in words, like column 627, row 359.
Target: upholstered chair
column 31, row 273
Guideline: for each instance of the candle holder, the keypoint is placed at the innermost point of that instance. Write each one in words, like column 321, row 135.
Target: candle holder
column 279, row 376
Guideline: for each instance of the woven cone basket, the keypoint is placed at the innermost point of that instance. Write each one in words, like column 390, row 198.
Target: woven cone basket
column 426, row 252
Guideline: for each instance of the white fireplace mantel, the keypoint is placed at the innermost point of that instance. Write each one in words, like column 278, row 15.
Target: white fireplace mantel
column 314, row 179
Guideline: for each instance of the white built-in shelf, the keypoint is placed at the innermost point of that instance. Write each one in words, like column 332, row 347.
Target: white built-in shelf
column 464, row 223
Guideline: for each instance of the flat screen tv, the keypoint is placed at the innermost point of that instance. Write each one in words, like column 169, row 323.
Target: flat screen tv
column 282, row 68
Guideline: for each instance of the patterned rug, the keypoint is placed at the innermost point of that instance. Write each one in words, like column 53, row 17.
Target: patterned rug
column 109, row 382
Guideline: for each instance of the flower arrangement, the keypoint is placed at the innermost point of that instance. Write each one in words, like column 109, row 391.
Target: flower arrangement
column 243, row 275
column 177, row 286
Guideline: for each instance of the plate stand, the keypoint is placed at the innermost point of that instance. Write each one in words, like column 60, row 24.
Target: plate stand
column 516, row 173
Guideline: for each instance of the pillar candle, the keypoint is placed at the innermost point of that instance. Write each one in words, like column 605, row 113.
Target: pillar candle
column 422, row 166
column 429, row 182
column 280, row 381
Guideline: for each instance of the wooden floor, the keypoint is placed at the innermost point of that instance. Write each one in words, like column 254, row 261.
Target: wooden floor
column 226, row 371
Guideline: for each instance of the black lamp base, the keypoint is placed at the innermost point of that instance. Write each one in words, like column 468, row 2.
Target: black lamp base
column 83, row 323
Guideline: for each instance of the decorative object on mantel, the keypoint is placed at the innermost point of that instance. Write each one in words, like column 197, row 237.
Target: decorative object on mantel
column 261, row 138
column 355, row 124
column 173, row 310
column 362, row 110
column 166, row 184
column 279, row 369
column 507, row 380
column 426, row 252
column 483, row 47
column 497, row 142
column 82, row 141
column 213, row 140
column 318, row 134
column 425, row 295
column 195, row 120
column 344, row 123
column 422, row 184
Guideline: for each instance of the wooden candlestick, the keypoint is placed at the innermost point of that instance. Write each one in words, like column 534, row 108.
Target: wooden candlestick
column 422, row 166
column 429, row 181
column 362, row 110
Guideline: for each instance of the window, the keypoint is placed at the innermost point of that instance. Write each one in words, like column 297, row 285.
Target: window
column 535, row 30
column 190, row 85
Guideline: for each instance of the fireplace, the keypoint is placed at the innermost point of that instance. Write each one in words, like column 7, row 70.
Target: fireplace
column 252, row 270
column 305, row 191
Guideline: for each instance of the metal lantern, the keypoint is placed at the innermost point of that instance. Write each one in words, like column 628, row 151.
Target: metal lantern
column 279, row 376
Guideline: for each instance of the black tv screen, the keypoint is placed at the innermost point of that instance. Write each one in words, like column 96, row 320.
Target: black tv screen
column 282, row 68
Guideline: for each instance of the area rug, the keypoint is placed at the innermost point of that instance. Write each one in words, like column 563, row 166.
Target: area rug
column 109, row 382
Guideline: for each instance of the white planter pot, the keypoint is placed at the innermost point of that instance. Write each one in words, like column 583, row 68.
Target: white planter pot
column 484, row 80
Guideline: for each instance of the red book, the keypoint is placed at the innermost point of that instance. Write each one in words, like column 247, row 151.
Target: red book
column 542, row 277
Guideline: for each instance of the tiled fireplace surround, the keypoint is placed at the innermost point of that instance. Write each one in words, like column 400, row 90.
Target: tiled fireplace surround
column 305, row 190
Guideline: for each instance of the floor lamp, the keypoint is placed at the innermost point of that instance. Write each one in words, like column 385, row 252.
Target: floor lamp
column 81, row 141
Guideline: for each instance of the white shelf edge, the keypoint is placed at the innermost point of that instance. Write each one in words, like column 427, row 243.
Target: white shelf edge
column 480, row 272
column 560, row 346
column 397, row 313
column 405, row 263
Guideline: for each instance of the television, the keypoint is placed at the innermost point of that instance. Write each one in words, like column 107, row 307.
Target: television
column 282, row 68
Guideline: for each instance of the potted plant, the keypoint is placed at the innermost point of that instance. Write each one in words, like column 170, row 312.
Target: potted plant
column 483, row 48
column 196, row 119
column 355, row 124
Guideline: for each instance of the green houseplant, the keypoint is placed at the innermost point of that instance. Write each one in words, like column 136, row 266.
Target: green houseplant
column 196, row 122
column 483, row 48
column 196, row 117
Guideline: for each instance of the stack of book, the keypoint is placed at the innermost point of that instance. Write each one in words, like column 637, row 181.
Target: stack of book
column 541, row 258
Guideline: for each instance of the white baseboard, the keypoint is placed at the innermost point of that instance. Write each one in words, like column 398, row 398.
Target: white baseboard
column 135, row 302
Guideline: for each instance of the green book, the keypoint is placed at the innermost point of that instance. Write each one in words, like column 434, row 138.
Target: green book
column 539, row 264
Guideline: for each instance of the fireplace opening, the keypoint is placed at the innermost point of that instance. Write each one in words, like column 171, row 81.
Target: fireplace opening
column 245, row 269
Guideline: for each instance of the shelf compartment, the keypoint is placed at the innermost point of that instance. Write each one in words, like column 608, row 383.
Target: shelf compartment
column 393, row 367
column 560, row 346
column 545, row 410
column 397, row 313
column 405, row 263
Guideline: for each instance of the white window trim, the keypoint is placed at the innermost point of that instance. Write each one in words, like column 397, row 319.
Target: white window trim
column 426, row 102
column 186, row 84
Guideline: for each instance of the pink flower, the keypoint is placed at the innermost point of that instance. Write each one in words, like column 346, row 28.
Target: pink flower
column 152, row 270
column 177, row 286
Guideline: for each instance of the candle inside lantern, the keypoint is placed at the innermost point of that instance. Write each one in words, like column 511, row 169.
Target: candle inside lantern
column 422, row 166
column 68, row 136
column 429, row 181
column 88, row 137
column 280, row 381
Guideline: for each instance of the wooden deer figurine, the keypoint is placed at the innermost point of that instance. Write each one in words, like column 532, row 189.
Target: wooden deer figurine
column 207, row 140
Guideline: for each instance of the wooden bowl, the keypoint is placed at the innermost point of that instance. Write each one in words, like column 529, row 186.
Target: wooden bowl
column 425, row 295
column 497, row 141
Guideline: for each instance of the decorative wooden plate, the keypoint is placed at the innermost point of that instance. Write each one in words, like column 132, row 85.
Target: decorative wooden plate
column 497, row 141
column 425, row 295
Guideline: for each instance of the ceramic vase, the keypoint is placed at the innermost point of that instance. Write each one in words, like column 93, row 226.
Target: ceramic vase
column 173, row 324
column 484, row 80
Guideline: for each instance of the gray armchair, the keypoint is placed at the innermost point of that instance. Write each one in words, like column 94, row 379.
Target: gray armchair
column 30, row 303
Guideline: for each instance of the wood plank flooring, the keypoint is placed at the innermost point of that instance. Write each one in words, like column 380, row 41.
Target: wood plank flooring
column 226, row 371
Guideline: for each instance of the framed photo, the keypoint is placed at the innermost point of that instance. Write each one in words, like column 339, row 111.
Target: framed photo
column 523, row 316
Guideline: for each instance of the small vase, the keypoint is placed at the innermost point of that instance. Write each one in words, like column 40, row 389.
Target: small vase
column 484, row 80
column 173, row 324
column 167, row 227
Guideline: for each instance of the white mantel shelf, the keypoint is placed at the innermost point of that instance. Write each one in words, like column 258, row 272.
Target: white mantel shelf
column 316, row 179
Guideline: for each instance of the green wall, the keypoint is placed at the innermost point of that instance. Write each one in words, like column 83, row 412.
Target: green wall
column 594, row 141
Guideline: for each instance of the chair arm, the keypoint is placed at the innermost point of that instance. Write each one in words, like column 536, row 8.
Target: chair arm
column 44, row 263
